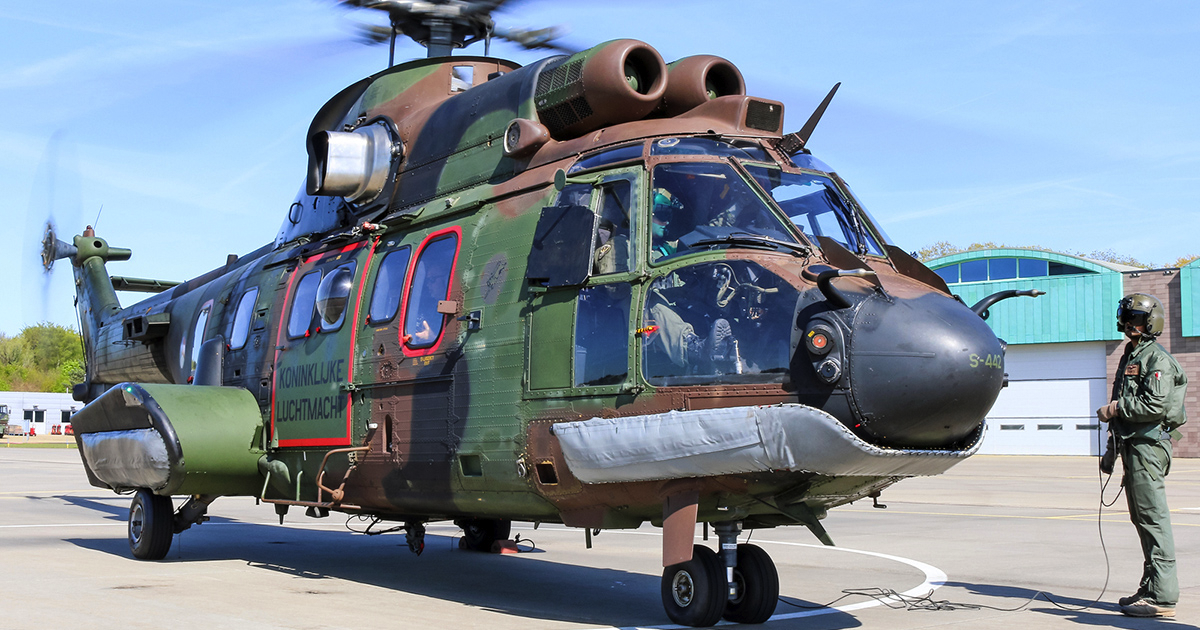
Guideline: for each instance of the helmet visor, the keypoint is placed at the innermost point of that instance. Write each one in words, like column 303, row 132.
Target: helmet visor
column 1127, row 316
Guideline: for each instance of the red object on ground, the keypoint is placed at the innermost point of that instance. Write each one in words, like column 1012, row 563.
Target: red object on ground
column 504, row 546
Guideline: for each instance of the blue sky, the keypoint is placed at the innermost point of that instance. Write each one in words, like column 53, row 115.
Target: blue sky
column 1068, row 125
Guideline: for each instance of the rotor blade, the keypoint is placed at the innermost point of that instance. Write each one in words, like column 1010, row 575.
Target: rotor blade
column 55, row 205
column 535, row 38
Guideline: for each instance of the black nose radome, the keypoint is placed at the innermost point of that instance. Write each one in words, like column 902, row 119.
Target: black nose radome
column 924, row 371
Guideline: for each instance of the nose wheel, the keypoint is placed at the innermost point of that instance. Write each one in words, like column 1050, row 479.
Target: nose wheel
column 697, row 593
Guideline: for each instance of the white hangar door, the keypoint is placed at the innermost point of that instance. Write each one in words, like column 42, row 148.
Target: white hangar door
column 1049, row 406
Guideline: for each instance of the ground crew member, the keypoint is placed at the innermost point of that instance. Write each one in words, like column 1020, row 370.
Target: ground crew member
column 1146, row 410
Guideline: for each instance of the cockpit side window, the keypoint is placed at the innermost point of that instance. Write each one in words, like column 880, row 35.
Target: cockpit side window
column 602, row 334
column 815, row 205
column 613, row 227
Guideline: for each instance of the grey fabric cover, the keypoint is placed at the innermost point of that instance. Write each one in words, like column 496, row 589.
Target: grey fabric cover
column 680, row 444
column 135, row 458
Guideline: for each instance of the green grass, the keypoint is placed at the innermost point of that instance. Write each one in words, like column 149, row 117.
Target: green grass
column 7, row 444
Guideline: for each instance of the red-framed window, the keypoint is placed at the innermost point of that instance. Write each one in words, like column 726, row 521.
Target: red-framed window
column 430, row 281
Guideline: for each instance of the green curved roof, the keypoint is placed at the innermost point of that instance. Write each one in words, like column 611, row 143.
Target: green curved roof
column 1014, row 252
column 1076, row 307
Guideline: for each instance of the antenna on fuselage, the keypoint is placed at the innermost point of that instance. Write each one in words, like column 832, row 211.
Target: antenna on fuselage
column 794, row 142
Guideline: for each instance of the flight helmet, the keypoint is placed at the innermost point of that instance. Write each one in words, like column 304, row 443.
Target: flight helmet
column 1141, row 309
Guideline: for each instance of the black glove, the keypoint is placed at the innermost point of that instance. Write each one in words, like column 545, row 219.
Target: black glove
column 1109, row 460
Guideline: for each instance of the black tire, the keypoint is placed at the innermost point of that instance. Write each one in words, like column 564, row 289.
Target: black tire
column 480, row 533
column 151, row 525
column 758, row 586
column 694, row 592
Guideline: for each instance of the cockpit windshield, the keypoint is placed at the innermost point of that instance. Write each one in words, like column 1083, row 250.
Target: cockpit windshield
column 815, row 205
column 701, row 205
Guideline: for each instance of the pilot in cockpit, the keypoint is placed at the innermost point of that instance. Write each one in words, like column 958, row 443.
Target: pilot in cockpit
column 665, row 206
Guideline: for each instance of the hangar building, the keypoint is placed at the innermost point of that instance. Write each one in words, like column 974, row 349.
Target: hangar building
column 1063, row 347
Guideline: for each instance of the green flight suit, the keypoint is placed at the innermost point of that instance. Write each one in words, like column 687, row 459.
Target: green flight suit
column 1149, row 389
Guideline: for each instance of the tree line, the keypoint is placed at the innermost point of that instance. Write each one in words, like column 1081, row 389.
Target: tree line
column 42, row 358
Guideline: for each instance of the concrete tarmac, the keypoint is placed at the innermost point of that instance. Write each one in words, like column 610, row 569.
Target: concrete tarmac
column 986, row 538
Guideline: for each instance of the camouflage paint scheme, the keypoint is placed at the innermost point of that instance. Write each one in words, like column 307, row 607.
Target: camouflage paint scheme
column 460, row 429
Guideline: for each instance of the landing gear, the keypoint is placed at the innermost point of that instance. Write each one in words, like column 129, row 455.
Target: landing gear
column 151, row 525
column 741, row 584
column 480, row 533
column 693, row 592
column 757, row 587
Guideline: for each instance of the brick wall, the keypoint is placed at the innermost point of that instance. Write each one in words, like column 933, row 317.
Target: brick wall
column 1164, row 284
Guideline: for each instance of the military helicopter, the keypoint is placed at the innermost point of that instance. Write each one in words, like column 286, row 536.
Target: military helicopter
column 598, row 290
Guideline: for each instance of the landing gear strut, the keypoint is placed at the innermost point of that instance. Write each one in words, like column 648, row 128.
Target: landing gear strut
column 741, row 584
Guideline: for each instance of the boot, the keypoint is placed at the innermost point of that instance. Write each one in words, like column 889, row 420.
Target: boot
column 1125, row 601
column 1146, row 608
column 719, row 341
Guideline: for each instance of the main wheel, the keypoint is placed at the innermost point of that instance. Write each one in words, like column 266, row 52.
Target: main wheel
column 757, row 584
column 480, row 533
column 694, row 592
column 151, row 525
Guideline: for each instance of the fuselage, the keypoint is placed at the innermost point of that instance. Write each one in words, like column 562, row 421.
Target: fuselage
column 441, row 326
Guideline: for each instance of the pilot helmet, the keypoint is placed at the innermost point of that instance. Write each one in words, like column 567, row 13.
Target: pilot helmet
column 1141, row 309
column 665, row 203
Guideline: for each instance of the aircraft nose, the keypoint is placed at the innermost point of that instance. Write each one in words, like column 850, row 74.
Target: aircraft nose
column 924, row 371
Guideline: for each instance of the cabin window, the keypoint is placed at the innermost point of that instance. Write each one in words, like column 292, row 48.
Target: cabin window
column 423, row 323
column 612, row 246
column 389, row 286
column 241, row 319
column 333, row 295
column 303, row 303
column 602, row 335
column 198, row 336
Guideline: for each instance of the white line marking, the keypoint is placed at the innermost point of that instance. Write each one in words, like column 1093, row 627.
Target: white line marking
column 934, row 578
